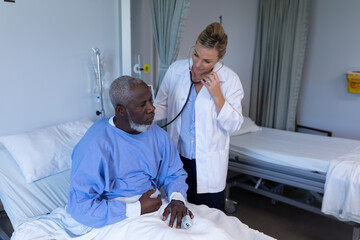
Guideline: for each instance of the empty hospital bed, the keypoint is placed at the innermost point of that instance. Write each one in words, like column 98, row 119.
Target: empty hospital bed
column 34, row 185
column 300, row 169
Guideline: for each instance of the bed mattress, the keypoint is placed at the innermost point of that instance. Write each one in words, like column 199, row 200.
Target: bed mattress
column 292, row 149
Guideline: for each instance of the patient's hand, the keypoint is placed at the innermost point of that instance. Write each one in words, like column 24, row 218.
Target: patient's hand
column 178, row 210
column 149, row 204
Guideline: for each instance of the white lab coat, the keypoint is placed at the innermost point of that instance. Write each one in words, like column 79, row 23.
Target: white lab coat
column 211, row 129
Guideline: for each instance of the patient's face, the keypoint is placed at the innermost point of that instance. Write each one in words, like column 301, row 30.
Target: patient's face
column 140, row 109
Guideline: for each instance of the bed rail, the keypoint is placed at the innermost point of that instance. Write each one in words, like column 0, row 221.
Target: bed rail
column 312, row 181
column 270, row 180
column 328, row 133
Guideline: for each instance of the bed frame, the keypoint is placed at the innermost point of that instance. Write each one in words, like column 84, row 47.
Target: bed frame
column 273, row 181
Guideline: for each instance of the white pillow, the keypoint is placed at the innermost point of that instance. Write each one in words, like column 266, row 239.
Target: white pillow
column 247, row 126
column 45, row 151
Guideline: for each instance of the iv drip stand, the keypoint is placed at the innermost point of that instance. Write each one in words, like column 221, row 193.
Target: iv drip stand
column 102, row 111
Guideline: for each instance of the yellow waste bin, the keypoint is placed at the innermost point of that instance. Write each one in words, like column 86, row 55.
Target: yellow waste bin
column 353, row 79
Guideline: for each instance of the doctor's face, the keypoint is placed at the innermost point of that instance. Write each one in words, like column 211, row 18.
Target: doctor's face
column 204, row 59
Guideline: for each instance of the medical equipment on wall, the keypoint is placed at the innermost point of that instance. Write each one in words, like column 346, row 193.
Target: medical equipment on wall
column 137, row 67
column 146, row 68
column 192, row 83
column 99, row 91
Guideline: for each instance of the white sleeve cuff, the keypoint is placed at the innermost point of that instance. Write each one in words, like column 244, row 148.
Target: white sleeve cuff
column 177, row 196
column 133, row 209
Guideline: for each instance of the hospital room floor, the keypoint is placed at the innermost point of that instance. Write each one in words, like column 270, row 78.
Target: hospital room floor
column 285, row 222
column 278, row 220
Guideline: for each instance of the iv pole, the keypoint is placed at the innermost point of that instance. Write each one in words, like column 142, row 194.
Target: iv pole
column 100, row 97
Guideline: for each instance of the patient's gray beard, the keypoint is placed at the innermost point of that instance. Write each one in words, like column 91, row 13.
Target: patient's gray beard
column 137, row 127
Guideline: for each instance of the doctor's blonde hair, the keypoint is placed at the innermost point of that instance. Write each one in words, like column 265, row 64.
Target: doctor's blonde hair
column 214, row 37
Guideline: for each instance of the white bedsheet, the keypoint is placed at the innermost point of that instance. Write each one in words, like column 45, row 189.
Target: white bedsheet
column 300, row 150
column 342, row 187
column 208, row 224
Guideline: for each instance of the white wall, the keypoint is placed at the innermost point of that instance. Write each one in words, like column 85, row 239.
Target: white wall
column 46, row 61
column 333, row 49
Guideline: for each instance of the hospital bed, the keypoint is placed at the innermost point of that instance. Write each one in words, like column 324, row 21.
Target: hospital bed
column 312, row 172
column 34, row 183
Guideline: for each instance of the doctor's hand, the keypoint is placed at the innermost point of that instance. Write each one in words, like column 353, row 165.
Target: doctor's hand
column 178, row 210
column 149, row 204
column 212, row 83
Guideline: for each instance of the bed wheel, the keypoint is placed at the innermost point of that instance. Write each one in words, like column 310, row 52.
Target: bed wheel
column 230, row 206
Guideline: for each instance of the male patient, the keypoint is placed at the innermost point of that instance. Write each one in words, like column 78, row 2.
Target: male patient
column 121, row 161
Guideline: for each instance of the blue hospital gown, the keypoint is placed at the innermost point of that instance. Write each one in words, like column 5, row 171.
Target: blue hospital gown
column 108, row 163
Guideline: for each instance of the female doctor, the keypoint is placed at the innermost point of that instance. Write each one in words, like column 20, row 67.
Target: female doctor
column 206, row 96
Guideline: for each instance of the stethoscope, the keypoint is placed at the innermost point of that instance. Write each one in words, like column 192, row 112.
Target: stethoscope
column 192, row 84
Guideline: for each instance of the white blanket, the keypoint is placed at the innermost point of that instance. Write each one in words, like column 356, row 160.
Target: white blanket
column 342, row 187
column 208, row 224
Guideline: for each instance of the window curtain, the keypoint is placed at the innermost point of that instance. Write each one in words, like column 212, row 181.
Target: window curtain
column 168, row 21
column 278, row 61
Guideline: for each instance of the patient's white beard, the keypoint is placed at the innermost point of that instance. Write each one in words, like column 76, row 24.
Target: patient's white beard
column 137, row 127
